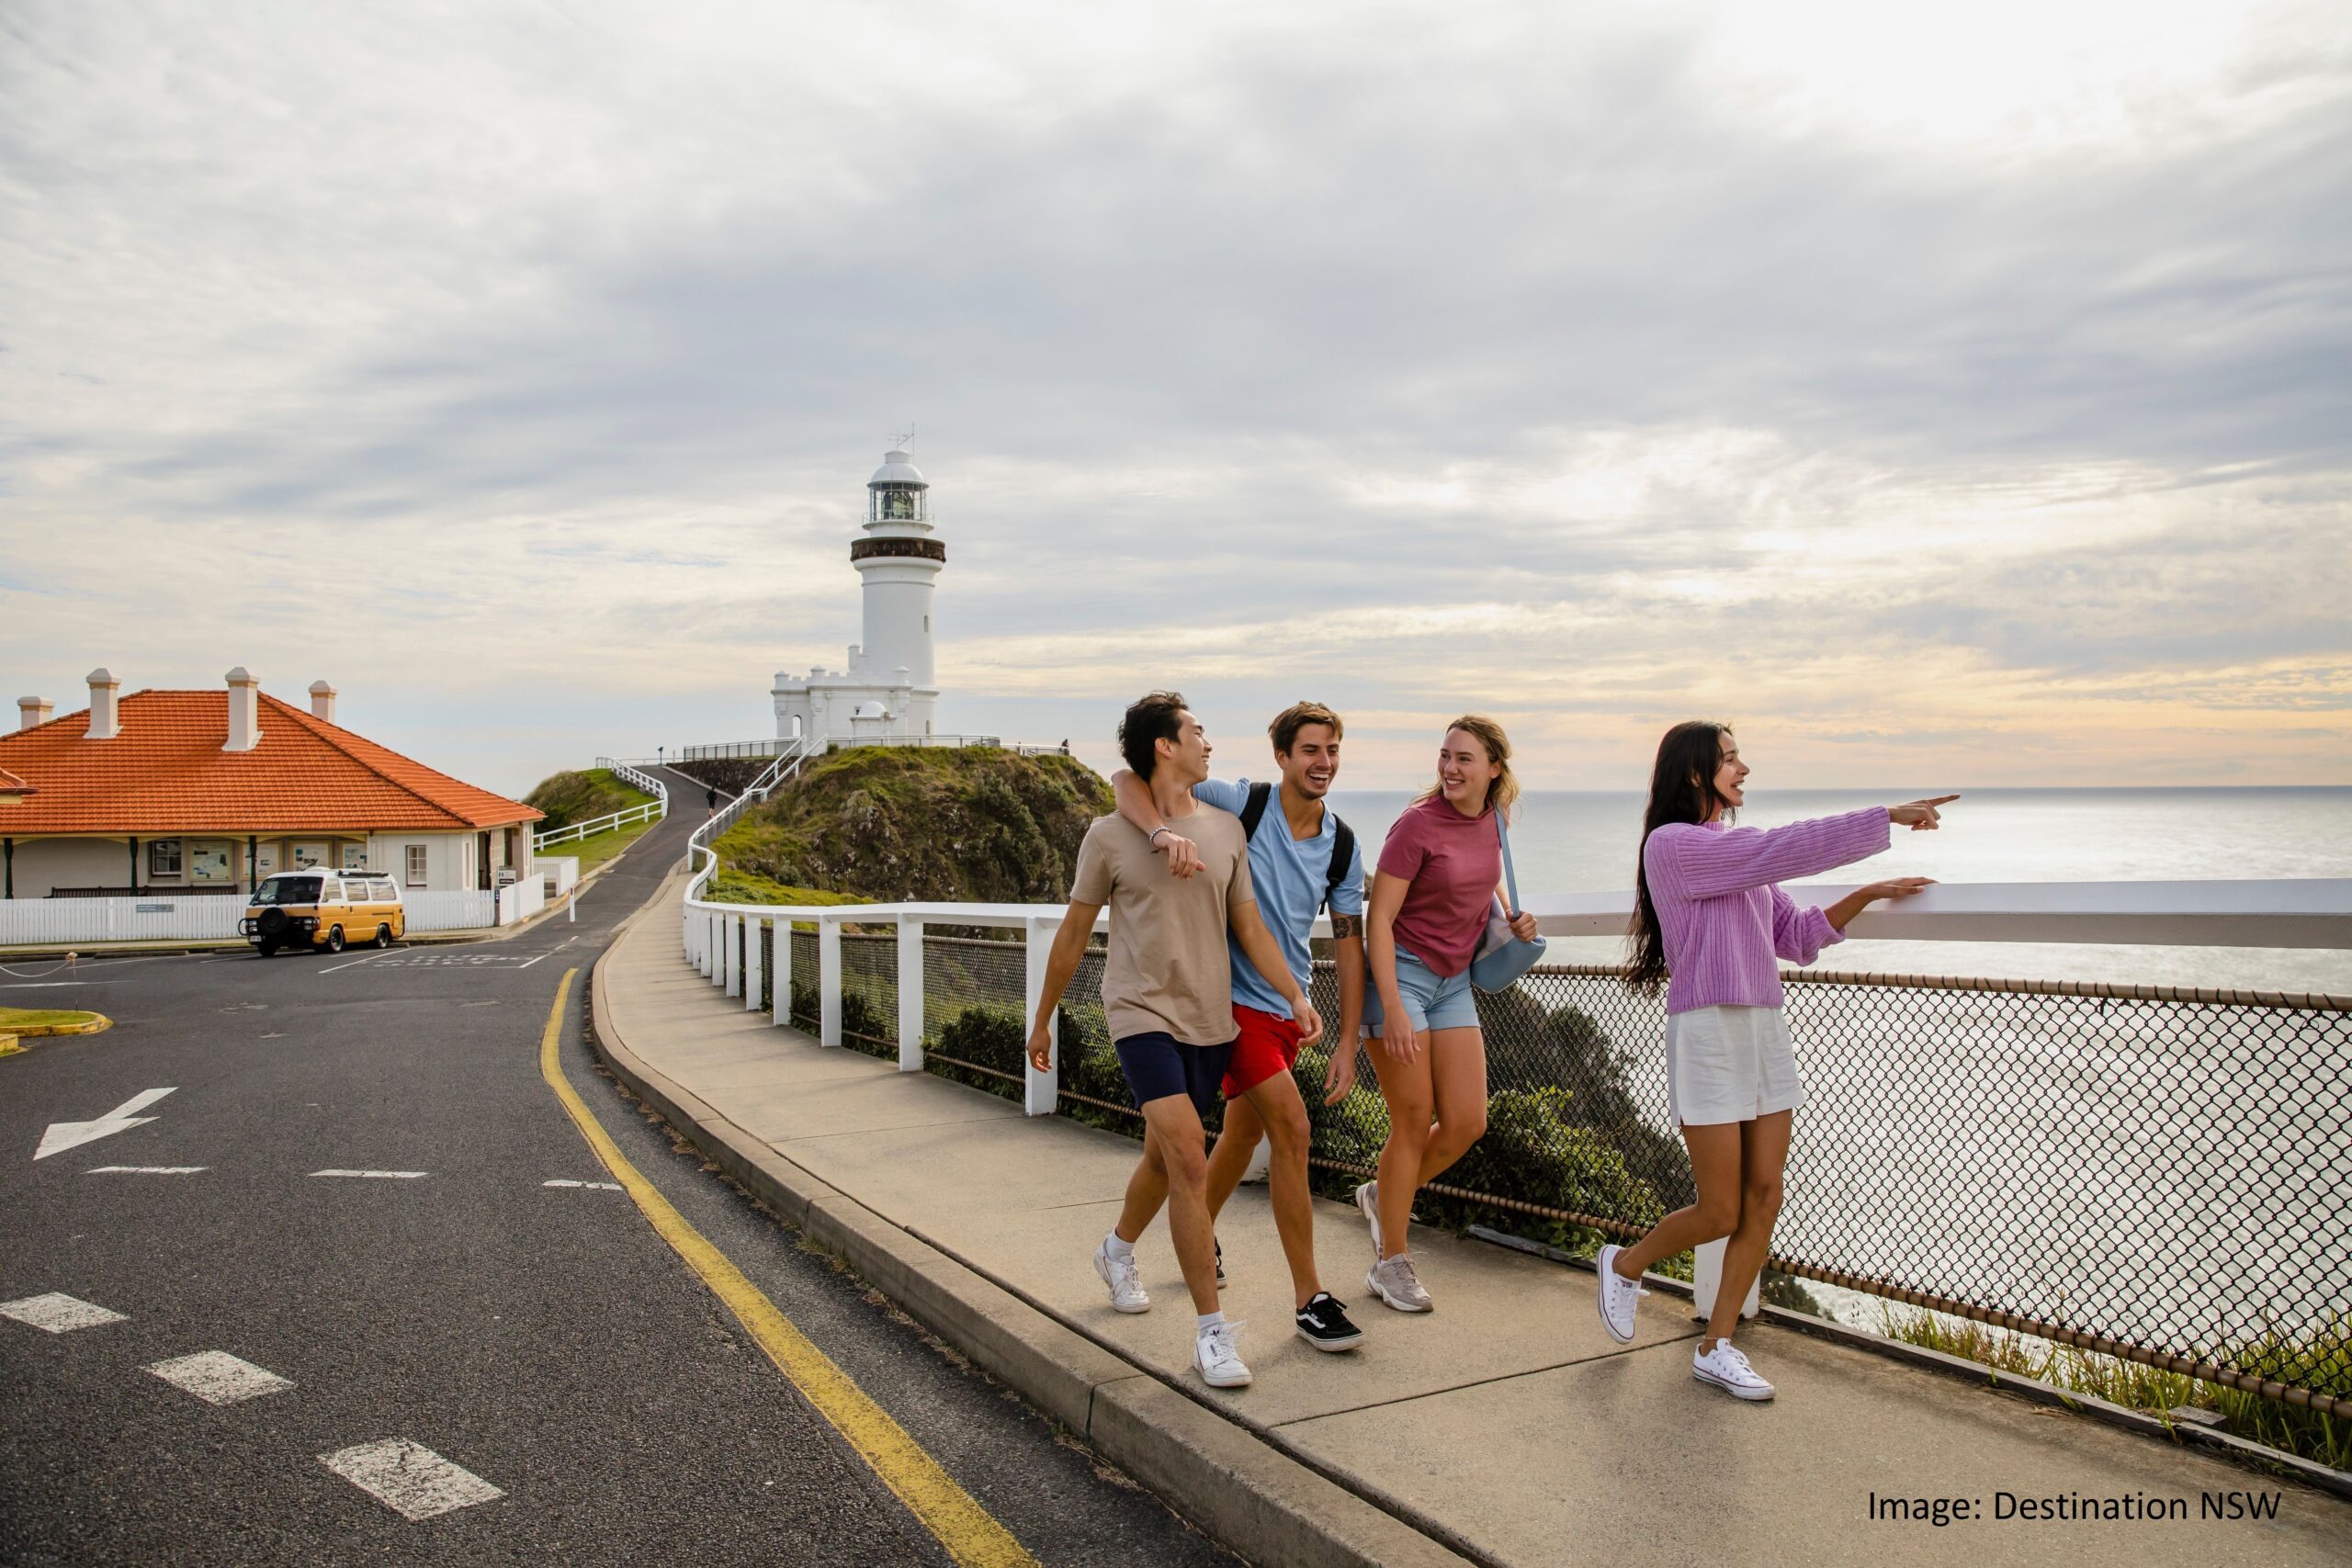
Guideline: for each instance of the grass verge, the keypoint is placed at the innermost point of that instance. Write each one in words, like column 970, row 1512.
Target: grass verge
column 595, row 850
column 732, row 887
column 2307, row 1434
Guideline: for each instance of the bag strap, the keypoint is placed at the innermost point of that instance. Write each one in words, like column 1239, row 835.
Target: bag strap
column 1344, row 850
column 1254, row 809
column 1510, row 872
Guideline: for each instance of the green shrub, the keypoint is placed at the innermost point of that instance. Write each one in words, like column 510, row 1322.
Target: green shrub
column 1534, row 1150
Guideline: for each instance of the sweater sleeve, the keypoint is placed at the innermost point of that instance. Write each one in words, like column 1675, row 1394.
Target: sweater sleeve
column 1799, row 933
column 1693, row 862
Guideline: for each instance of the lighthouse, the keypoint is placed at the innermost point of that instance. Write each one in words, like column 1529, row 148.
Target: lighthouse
column 889, row 687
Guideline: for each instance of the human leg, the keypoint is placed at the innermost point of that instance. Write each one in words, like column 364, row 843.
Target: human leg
column 1715, row 1167
column 1458, row 1093
column 1229, row 1156
column 1174, row 1125
column 1764, row 1155
column 1275, row 1104
column 1406, row 1086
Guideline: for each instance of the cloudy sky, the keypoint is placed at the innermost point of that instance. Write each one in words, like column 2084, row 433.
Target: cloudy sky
column 1945, row 395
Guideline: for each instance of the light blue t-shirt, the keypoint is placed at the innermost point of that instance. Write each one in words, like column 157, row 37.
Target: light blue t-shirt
column 1290, row 874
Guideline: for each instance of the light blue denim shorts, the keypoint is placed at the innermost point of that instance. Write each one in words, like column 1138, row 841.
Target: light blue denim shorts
column 1432, row 1001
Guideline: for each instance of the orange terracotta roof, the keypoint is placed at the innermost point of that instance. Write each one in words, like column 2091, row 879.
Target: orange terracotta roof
column 11, row 785
column 164, row 772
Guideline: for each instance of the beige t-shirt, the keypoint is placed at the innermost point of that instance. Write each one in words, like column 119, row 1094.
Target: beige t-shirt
column 1169, row 971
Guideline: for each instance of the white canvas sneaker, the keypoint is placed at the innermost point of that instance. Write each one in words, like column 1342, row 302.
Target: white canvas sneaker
column 1216, row 1354
column 1617, row 1297
column 1124, row 1278
column 1368, row 1200
column 1728, row 1370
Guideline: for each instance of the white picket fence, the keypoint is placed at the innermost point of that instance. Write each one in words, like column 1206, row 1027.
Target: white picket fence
column 160, row 917
column 459, row 911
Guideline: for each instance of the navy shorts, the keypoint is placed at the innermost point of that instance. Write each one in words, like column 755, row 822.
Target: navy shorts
column 1159, row 1064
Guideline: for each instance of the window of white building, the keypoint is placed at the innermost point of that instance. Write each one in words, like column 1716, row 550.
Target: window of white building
column 162, row 857
column 416, row 866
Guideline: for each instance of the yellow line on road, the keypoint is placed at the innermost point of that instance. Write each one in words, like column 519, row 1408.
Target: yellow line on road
column 970, row 1534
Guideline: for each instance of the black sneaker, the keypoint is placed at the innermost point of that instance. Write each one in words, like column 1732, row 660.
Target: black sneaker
column 1323, row 1322
column 1220, row 1265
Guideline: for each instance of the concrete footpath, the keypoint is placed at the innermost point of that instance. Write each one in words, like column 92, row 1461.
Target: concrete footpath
column 1504, row 1427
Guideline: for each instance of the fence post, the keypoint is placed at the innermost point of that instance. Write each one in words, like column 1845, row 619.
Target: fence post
column 909, row 995
column 1041, row 1092
column 782, row 985
column 751, row 925
column 829, row 981
column 730, row 955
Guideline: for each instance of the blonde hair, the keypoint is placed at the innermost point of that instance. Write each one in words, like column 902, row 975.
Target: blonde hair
column 1502, row 790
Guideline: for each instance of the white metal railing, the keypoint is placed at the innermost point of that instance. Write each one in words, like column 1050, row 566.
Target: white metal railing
column 818, row 745
column 699, row 843
column 723, row 940
column 627, row 817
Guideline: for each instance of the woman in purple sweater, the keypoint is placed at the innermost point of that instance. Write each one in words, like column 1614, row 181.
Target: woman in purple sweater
column 1710, row 915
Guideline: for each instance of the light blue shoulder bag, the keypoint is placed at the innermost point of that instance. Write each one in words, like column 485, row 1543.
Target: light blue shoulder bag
column 1502, row 957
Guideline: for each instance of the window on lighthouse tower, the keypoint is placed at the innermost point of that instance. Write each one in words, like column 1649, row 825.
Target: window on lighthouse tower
column 897, row 506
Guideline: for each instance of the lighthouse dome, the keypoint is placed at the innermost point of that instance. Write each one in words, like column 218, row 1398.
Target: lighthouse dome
column 898, row 469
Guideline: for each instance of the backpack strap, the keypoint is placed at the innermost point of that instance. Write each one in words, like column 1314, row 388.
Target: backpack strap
column 1254, row 809
column 1344, row 852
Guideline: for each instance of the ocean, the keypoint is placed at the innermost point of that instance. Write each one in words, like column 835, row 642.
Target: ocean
column 1579, row 841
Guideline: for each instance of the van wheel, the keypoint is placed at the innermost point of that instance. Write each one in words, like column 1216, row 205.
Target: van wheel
column 334, row 939
column 383, row 936
column 267, row 948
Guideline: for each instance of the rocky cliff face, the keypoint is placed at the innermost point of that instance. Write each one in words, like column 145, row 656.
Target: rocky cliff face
column 898, row 822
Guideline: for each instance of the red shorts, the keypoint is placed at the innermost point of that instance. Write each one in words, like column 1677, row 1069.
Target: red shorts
column 1264, row 1045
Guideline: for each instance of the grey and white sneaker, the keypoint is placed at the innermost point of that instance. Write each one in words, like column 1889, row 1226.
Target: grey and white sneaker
column 1617, row 1297
column 1368, row 1200
column 1393, row 1281
column 1728, row 1370
column 1124, row 1278
column 1214, row 1352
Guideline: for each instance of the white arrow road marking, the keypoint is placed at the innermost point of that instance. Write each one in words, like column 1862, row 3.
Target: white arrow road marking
column 58, row 1313
column 146, row 1169
column 217, row 1378
column 63, row 1135
column 410, row 1478
column 591, row 1186
column 378, row 1174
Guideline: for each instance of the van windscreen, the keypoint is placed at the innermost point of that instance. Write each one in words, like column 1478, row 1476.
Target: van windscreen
column 289, row 890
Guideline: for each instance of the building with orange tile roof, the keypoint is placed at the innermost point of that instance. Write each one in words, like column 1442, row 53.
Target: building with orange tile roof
column 213, row 790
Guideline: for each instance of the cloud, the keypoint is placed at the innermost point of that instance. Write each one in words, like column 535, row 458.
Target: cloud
column 1582, row 364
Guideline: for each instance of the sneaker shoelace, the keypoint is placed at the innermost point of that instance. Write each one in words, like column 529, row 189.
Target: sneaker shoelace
column 1733, row 1360
column 1123, row 1269
column 1223, row 1338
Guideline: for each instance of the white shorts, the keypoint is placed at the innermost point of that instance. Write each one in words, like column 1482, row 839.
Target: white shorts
column 1729, row 1063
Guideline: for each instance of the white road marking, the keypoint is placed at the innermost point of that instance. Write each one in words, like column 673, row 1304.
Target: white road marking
column 146, row 1169
column 409, row 1478
column 217, row 1378
column 63, row 1135
column 551, row 952
column 354, row 963
column 59, row 1313
column 591, row 1186
column 378, row 1174
column 454, row 961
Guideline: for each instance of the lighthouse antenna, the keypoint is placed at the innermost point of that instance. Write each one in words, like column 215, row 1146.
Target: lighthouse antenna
column 905, row 442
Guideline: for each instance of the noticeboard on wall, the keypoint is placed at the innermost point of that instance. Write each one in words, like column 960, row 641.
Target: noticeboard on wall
column 307, row 855
column 211, row 862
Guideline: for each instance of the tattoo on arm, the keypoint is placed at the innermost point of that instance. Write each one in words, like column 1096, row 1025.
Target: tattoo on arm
column 1346, row 926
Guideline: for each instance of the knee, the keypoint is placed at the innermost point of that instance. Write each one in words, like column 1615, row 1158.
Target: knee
column 1760, row 1198
column 1187, row 1166
column 1288, row 1130
column 1718, row 1214
column 1409, row 1122
column 1459, row 1131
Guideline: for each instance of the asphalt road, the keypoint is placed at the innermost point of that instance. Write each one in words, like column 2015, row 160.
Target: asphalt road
column 542, row 1340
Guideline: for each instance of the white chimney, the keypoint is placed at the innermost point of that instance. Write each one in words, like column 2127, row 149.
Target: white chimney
column 244, row 711
column 106, row 723
column 31, row 711
column 322, row 701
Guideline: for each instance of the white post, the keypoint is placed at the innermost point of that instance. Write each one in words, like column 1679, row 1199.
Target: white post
column 1707, row 1274
column 1041, row 1092
column 829, row 981
column 782, row 985
column 731, row 961
column 909, row 995
column 702, row 941
column 752, row 962
column 710, row 947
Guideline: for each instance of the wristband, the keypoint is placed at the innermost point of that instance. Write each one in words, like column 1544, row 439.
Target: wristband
column 1156, row 832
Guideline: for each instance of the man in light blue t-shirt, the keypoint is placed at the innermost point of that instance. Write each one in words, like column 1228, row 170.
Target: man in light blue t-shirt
column 1301, row 857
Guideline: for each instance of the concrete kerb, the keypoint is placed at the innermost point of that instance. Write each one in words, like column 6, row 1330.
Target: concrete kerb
column 1247, row 1493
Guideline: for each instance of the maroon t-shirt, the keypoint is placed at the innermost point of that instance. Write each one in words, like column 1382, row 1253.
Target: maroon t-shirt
column 1454, row 864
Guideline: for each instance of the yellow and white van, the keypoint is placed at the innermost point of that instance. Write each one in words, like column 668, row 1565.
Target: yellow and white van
column 318, row 907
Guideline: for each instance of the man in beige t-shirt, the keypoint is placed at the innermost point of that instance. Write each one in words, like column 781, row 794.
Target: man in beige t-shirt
column 1168, row 997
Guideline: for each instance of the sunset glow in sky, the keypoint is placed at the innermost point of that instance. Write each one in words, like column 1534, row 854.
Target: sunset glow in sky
column 1953, row 396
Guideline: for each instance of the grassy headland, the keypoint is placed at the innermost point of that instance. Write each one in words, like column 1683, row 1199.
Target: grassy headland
column 583, row 795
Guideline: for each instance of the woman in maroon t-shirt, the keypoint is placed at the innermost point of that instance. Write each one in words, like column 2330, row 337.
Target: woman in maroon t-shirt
column 1439, row 872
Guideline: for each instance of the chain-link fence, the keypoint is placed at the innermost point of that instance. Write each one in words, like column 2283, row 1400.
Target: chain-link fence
column 2157, row 1174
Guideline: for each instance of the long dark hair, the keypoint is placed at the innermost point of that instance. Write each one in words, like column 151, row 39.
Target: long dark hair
column 1682, row 789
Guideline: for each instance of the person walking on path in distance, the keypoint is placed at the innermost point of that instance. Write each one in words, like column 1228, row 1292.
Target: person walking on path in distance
column 710, row 799
column 1301, row 858
column 1708, row 913
column 1441, row 872
column 1168, row 997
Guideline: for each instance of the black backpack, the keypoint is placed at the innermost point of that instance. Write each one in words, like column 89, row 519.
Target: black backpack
column 1343, row 838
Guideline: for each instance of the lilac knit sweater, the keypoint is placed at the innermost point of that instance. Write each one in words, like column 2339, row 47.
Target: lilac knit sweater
column 1723, row 919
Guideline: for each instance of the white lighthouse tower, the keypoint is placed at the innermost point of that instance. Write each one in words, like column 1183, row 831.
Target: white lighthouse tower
column 889, row 687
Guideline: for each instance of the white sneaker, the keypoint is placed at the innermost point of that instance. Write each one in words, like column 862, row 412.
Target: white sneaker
column 1617, row 1297
column 1728, row 1370
column 1368, row 1200
column 1125, row 1280
column 1214, row 1354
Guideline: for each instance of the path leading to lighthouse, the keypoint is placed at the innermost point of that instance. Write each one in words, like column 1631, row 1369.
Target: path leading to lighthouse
column 1506, row 1424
